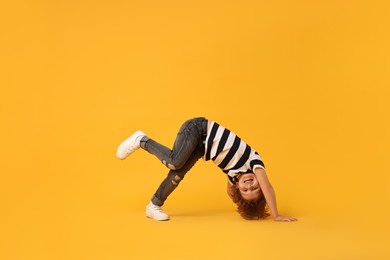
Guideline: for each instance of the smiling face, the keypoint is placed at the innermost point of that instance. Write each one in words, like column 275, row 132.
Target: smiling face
column 249, row 186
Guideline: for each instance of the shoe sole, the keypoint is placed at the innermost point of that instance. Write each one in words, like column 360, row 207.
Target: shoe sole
column 149, row 215
column 125, row 143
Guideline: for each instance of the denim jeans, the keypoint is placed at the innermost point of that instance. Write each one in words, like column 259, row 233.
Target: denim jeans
column 187, row 149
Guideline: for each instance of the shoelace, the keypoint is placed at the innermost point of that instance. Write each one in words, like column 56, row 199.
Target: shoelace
column 133, row 146
column 157, row 208
column 130, row 148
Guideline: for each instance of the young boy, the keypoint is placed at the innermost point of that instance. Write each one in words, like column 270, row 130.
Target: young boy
column 248, row 184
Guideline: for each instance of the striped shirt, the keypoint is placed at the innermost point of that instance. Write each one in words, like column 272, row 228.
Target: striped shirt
column 229, row 152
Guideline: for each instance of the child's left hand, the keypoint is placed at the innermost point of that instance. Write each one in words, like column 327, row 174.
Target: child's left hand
column 284, row 219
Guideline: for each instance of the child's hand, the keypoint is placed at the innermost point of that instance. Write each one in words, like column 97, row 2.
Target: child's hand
column 284, row 219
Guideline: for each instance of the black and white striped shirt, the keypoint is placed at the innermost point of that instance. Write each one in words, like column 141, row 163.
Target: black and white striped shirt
column 229, row 152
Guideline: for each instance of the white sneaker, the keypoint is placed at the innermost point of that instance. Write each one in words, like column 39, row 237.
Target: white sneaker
column 155, row 212
column 130, row 145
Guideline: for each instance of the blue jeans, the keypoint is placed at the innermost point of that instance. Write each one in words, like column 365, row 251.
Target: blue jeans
column 186, row 151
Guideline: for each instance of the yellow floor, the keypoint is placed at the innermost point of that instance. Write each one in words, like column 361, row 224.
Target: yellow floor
column 306, row 83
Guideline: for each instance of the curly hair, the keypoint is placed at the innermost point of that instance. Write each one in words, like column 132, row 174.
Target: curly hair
column 250, row 210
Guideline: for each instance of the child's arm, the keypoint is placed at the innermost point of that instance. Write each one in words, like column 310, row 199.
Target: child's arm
column 269, row 195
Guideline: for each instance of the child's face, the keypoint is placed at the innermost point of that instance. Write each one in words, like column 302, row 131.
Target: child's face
column 249, row 186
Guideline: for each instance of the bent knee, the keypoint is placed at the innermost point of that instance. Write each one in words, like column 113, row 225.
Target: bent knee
column 172, row 166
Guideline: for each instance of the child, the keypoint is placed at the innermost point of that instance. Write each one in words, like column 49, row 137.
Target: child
column 248, row 184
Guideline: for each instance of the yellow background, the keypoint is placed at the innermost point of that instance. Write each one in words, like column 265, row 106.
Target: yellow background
column 306, row 83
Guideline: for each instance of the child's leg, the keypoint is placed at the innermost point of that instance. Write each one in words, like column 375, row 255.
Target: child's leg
column 187, row 140
column 174, row 178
